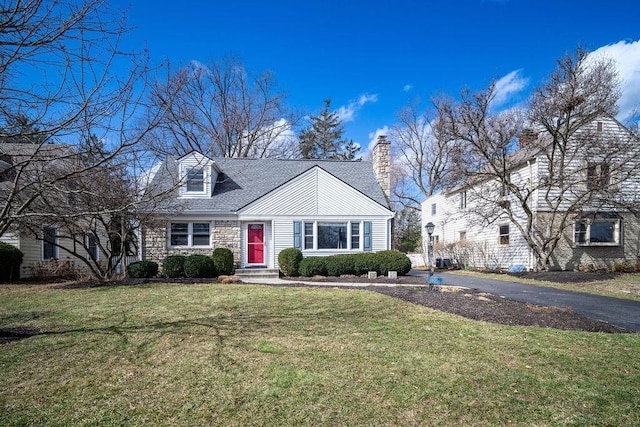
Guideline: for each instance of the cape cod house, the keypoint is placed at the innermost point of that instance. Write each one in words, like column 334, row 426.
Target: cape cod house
column 258, row 207
column 590, row 204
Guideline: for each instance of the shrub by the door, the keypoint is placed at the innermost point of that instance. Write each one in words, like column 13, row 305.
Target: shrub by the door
column 289, row 261
column 222, row 260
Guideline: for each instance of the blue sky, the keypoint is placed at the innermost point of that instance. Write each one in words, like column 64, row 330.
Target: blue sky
column 371, row 57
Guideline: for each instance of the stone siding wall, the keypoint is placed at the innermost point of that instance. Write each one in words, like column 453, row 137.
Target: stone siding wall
column 225, row 234
column 568, row 256
column 382, row 164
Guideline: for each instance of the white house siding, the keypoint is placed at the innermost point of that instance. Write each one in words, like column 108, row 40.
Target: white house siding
column 481, row 246
column 316, row 192
column 450, row 219
column 315, row 195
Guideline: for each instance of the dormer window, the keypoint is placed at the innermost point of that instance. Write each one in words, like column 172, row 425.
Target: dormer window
column 195, row 180
column 198, row 175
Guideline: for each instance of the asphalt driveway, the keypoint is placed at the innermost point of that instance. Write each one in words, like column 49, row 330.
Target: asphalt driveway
column 617, row 311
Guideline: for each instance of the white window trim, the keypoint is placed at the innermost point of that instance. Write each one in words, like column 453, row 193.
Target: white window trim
column 349, row 247
column 185, row 168
column 189, row 234
column 508, row 235
column 56, row 242
column 587, row 237
column 88, row 236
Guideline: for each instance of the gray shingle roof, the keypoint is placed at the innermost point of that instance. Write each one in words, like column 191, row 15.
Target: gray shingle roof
column 244, row 180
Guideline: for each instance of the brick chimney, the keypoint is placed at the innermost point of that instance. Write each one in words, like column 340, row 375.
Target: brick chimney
column 526, row 137
column 382, row 164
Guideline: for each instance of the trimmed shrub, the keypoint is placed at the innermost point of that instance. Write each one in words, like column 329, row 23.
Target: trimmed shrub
column 142, row 269
column 199, row 266
column 173, row 266
column 289, row 261
column 223, row 261
column 10, row 260
column 392, row 261
column 365, row 262
column 337, row 265
column 313, row 266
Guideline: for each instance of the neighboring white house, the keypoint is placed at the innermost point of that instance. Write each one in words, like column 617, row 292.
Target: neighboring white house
column 479, row 224
column 258, row 207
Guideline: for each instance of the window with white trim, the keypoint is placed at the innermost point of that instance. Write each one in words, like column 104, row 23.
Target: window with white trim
column 503, row 234
column 463, row 200
column 355, row 235
column 92, row 247
column 49, row 243
column 328, row 235
column 597, row 232
column 598, row 176
column 195, row 180
column 190, row 234
column 433, row 209
column 332, row 235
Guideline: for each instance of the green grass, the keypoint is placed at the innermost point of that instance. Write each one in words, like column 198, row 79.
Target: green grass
column 247, row 355
column 626, row 285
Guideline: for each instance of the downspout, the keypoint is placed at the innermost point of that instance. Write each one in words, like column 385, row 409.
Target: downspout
column 533, row 212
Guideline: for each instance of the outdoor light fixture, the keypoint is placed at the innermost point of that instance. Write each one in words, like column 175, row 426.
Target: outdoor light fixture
column 430, row 227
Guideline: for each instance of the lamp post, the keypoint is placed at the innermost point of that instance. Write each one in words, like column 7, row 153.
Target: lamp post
column 430, row 227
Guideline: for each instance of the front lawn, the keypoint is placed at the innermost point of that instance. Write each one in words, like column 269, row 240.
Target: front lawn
column 249, row 355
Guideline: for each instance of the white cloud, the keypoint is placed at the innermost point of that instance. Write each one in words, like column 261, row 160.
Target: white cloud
column 627, row 57
column 507, row 86
column 347, row 113
column 407, row 87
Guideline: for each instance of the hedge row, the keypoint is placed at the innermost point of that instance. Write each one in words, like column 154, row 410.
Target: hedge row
column 292, row 263
column 10, row 260
column 175, row 266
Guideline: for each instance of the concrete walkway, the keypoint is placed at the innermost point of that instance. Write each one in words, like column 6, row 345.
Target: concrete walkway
column 617, row 311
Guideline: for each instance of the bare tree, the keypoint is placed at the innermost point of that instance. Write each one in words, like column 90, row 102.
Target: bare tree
column 425, row 156
column 582, row 169
column 71, row 104
column 222, row 109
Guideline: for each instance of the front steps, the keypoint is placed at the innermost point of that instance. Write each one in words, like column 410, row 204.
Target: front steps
column 246, row 274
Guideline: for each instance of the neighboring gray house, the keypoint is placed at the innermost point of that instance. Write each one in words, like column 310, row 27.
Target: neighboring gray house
column 25, row 168
column 258, row 207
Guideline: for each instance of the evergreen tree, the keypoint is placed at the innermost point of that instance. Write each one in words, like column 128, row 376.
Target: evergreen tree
column 323, row 139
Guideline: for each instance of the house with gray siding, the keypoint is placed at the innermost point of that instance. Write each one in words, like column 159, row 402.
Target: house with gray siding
column 258, row 207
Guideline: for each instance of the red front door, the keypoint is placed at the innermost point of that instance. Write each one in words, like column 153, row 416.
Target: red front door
column 255, row 244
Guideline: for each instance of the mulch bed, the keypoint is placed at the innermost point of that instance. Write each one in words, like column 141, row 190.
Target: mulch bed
column 477, row 305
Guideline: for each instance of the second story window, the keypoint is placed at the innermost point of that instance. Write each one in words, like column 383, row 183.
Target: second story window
column 195, row 180
column 598, row 176
column 433, row 209
column 463, row 200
